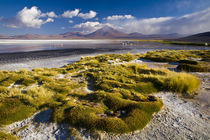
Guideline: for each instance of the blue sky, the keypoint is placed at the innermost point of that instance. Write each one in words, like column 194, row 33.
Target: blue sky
column 144, row 16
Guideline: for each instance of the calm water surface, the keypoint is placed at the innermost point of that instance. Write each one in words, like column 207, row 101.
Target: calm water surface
column 14, row 46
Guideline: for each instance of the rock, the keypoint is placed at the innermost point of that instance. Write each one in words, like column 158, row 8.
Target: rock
column 110, row 113
column 201, row 115
column 123, row 112
column 152, row 98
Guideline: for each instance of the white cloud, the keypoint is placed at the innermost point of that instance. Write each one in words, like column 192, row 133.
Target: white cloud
column 51, row 14
column 71, row 21
column 89, row 27
column 32, row 18
column 119, row 17
column 187, row 24
column 89, row 15
column 12, row 26
column 49, row 20
column 71, row 14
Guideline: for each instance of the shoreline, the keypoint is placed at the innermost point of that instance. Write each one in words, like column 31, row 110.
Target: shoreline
column 49, row 58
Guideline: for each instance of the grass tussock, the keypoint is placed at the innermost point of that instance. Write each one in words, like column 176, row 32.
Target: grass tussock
column 189, row 60
column 176, row 42
column 5, row 136
column 120, row 100
column 13, row 110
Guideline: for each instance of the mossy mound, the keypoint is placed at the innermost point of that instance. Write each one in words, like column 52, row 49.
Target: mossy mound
column 119, row 98
column 108, row 111
column 12, row 110
column 189, row 60
column 5, row 136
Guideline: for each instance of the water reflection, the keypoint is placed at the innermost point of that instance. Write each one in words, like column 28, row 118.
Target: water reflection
column 11, row 46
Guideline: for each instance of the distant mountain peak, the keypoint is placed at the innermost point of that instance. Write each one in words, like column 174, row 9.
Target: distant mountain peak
column 107, row 28
column 106, row 32
column 135, row 34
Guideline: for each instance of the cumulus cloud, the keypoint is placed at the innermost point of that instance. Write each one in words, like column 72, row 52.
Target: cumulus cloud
column 71, row 21
column 62, row 28
column 71, row 14
column 146, row 26
column 119, row 17
column 32, row 18
column 88, row 27
column 89, row 15
column 187, row 24
column 49, row 20
column 51, row 14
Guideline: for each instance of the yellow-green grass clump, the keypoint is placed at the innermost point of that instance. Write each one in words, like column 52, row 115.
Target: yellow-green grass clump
column 120, row 100
column 5, row 136
column 189, row 60
column 175, row 42
column 12, row 110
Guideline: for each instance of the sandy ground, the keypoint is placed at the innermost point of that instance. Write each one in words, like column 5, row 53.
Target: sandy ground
column 203, row 99
column 179, row 119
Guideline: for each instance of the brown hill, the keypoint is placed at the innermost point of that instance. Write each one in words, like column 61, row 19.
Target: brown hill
column 201, row 37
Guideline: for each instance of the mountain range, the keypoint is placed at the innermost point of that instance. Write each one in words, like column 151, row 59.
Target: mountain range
column 104, row 33
column 110, row 33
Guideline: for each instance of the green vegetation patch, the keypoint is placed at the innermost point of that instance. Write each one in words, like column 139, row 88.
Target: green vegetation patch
column 176, row 42
column 12, row 110
column 5, row 136
column 182, row 43
column 189, row 60
column 119, row 97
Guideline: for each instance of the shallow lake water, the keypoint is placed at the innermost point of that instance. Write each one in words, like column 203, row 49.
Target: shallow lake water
column 12, row 46
column 17, row 54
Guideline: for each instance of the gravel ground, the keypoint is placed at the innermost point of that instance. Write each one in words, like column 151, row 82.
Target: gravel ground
column 178, row 119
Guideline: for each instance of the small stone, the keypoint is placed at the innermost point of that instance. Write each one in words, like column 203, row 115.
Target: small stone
column 123, row 112
column 110, row 113
column 152, row 98
column 201, row 116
